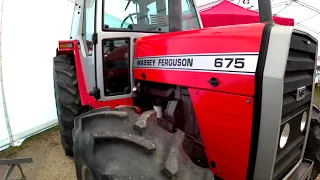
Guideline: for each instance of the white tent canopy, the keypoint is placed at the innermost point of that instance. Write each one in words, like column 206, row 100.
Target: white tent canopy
column 29, row 38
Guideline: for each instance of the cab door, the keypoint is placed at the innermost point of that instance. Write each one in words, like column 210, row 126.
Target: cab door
column 112, row 27
column 114, row 49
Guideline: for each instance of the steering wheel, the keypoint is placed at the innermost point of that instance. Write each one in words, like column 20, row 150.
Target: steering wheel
column 129, row 16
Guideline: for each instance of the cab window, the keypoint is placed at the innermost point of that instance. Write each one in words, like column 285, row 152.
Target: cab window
column 145, row 15
column 116, row 67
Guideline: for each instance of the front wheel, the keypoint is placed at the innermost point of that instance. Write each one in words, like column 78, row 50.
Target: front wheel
column 313, row 144
column 121, row 144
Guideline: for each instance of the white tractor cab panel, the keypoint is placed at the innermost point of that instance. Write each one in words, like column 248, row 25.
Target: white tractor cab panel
column 83, row 32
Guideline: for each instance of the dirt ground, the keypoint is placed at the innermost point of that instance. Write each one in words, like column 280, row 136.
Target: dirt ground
column 49, row 160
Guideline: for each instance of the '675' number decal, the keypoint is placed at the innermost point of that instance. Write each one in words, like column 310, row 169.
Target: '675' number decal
column 229, row 63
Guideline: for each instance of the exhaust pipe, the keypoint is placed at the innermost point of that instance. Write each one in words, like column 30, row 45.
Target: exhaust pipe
column 265, row 11
column 175, row 15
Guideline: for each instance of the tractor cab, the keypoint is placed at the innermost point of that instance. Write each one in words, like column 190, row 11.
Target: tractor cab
column 107, row 31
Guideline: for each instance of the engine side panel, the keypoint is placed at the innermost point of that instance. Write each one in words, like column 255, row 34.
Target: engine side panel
column 221, row 91
column 225, row 122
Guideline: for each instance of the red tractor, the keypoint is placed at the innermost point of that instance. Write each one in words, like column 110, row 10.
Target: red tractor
column 144, row 92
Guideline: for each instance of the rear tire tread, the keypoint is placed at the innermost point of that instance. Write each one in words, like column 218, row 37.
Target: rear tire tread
column 67, row 98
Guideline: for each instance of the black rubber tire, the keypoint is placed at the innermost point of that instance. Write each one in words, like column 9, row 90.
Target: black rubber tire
column 67, row 98
column 313, row 144
column 121, row 144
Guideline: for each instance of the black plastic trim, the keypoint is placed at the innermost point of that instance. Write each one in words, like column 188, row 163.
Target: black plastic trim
column 95, row 38
column 304, row 44
column 95, row 93
column 258, row 99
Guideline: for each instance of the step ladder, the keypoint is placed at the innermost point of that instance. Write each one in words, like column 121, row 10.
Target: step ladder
column 12, row 163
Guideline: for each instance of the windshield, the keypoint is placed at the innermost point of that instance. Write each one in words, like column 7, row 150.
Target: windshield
column 145, row 15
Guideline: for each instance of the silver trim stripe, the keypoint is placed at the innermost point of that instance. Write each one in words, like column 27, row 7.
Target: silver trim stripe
column 245, row 63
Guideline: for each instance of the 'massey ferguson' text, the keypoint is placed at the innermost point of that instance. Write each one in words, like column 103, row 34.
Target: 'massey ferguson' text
column 228, row 62
column 178, row 62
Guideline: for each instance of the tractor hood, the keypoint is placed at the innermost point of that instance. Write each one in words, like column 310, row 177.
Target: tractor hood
column 223, row 53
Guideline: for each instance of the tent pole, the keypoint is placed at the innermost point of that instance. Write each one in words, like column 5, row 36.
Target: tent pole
column 6, row 117
column 265, row 11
